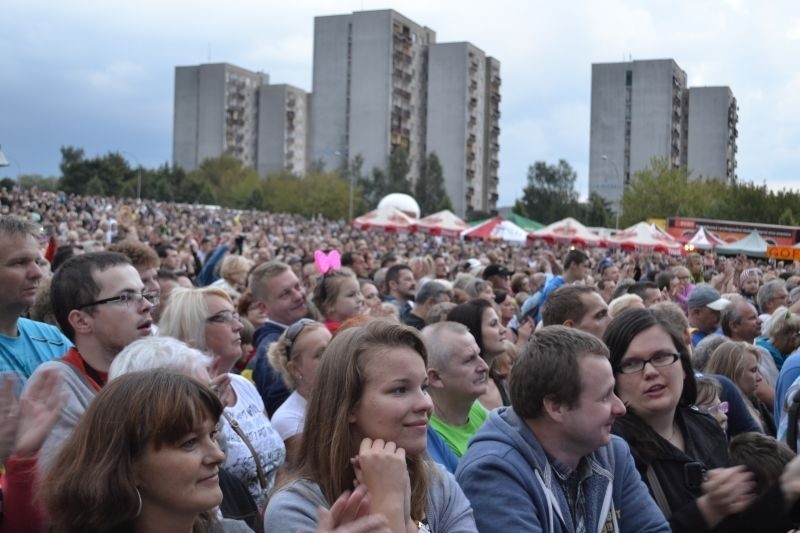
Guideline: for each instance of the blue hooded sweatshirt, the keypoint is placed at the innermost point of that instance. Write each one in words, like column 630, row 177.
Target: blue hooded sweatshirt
column 512, row 487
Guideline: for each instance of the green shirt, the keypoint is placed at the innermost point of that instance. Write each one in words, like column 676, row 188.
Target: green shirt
column 457, row 437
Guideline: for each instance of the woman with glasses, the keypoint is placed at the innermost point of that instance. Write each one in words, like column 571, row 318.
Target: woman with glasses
column 680, row 452
column 205, row 319
column 296, row 355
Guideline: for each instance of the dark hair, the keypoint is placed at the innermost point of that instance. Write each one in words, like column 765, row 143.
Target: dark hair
column 764, row 456
column 565, row 303
column 664, row 279
column 575, row 256
column 640, row 288
column 548, row 367
column 500, row 296
column 394, row 272
column 471, row 315
column 73, row 284
column 90, row 487
column 625, row 327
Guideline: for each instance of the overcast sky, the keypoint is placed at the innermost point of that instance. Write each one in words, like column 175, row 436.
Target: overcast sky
column 100, row 75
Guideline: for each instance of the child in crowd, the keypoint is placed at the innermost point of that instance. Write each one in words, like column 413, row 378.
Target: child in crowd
column 708, row 392
column 763, row 455
column 338, row 297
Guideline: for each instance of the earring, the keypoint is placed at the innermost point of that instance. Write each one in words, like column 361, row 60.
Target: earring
column 139, row 496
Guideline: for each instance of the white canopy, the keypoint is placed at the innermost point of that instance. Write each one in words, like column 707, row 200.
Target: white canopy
column 442, row 223
column 704, row 240
column 568, row 231
column 387, row 219
column 753, row 245
column 646, row 237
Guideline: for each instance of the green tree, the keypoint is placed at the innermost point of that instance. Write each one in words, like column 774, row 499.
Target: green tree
column 597, row 212
column 429, row 188
column 662, row 191
column 550, row 194
column 95, row 187
column 399, row 166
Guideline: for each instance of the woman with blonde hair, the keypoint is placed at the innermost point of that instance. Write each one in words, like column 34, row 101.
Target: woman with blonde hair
column 205, row 319
column 296, row 356
column 233, row 275
column 783, row 335
column 367, row 424
column 738, row 361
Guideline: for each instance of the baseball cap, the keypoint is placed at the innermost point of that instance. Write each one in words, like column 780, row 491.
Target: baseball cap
column 707, row 296
column 494, row 270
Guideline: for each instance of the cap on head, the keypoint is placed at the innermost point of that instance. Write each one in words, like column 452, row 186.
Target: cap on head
column 707, row 296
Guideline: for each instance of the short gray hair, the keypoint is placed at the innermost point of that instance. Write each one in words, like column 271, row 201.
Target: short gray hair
column 149, row 353
column 432, row 290
column 767, row 292
column 438, row 350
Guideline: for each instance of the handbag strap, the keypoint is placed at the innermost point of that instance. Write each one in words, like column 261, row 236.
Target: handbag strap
column 262, row 478
column 658, row 492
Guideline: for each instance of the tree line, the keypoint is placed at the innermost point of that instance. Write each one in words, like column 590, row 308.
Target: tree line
column 658, row 191
column 225, row 181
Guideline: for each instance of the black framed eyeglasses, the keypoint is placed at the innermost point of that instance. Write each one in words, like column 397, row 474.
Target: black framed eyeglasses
column 293, row 332
column 127, row 298
column 634, row 366
column 223, row 317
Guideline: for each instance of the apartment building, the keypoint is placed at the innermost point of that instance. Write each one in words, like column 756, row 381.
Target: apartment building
column 641, row 110
column 224, row 109
column 712, row 128
column 381, row 81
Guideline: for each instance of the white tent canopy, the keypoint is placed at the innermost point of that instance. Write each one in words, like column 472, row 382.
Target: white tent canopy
column 753, row 245
column 646, row 237
column 568, row 231
column 705, row 240
column 442, row 223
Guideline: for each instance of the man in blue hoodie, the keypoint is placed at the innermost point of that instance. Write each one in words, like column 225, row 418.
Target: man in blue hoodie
column 549, row 462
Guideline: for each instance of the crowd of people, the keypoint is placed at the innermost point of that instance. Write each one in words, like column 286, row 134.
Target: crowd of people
column 190, row 368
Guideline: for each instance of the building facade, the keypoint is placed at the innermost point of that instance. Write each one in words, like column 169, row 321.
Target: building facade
column 381, row 82
column 369, row 85
column 712, row 127
column 224, row 109
column 641, row 110
column 462, row 130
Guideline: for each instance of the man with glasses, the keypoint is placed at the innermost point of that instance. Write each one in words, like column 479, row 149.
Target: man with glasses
column 24, row 344
column 550, row 460
column 101, row 305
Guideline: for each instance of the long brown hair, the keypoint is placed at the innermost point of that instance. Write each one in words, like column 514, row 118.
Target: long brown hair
column 328, row 442
column 90, row 486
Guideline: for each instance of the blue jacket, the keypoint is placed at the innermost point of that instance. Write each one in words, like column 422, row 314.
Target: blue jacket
column 511, row 485
column 269, row 383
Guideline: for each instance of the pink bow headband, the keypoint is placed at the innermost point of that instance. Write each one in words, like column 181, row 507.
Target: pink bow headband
column 327, row 262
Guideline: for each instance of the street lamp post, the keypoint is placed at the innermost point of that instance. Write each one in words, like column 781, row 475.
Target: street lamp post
column 619, row 199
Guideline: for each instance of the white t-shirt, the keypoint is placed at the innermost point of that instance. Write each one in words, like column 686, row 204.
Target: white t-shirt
column 288, row 420
column 251, row 416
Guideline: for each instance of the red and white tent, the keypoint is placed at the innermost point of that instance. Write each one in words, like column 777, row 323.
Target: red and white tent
column 704, row 240
column 388, row 219
column 568, row 231
column 442, row 223
column 646, row 237
column 497, row 229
